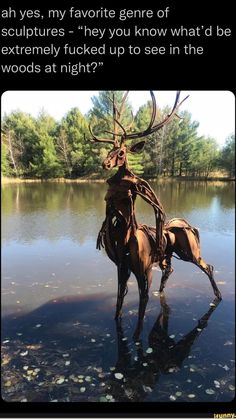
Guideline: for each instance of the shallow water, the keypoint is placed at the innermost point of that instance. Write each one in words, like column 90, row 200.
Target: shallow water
column 60, row 341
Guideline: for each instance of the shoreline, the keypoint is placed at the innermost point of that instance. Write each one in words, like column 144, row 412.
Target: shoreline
column 9, row 180
column 6, row 181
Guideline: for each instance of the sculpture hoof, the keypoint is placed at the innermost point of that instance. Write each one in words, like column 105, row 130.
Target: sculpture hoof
column 218, row 295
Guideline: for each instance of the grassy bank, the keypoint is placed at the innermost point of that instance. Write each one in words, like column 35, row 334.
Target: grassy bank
column 7, row 180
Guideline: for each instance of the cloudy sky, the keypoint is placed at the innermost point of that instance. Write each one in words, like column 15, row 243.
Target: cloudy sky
column 214, row 110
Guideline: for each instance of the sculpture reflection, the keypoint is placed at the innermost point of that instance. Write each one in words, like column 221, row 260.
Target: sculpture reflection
column 165, row 355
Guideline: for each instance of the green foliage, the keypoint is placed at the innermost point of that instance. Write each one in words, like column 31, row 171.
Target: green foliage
column 20, row 137
column 203, row 157
column 136, row 163
column 101, row 120
column 73, row 145
column 41, row 147
column 101, row 115
column 227, row 157
column 4, row 160
column 44, row 162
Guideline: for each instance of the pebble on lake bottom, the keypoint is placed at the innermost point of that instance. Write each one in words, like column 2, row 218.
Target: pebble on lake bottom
column 210, row 391
column 191, row 396
column 178, row 393
column 60, row 380
column 119, row 376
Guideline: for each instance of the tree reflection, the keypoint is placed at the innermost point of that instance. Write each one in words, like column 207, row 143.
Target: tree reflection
column 75, row 210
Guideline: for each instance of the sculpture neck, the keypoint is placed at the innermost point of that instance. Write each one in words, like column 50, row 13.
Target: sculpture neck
column 120, row 193
column 124, row 171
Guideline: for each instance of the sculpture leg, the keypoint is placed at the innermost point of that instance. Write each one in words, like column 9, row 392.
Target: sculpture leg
column 166, row 271
column 123, row 276
column 160, row 328
column 208, row 270
column 144, row 282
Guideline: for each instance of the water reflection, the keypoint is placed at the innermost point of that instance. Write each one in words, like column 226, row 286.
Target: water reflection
column 49, row 233
column 180, row 195
column 77, row 357
column 54, row 210
column 164, row 355
column 50, row 197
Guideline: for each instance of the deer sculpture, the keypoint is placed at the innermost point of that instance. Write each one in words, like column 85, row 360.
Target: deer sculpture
column 136, row 247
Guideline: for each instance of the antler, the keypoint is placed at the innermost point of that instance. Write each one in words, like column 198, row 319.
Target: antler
column 121, row 126
column 117, row 113
column 99, row 140
column 150, row 129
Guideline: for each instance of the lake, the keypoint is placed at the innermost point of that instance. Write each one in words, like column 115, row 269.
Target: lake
column 60, row 341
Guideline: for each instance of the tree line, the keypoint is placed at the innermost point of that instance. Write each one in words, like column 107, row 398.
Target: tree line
column 45, row 148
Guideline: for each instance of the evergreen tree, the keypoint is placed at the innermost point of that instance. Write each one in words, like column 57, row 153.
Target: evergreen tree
column 63, row 149
column 136, row 164
column 73, row 130
column 40, row 147
column 45, row 162
column 101, row 119
column 227, row 156
column 151, row 153
column 102, row 111
column 20, row 136
column 4, row 159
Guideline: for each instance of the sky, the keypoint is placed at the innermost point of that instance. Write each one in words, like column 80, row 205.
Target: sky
column 214, row 110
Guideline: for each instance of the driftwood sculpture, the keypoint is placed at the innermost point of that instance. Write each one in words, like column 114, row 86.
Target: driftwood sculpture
column 136, row 247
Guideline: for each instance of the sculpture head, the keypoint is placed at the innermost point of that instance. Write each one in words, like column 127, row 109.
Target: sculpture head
column 117, row 156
